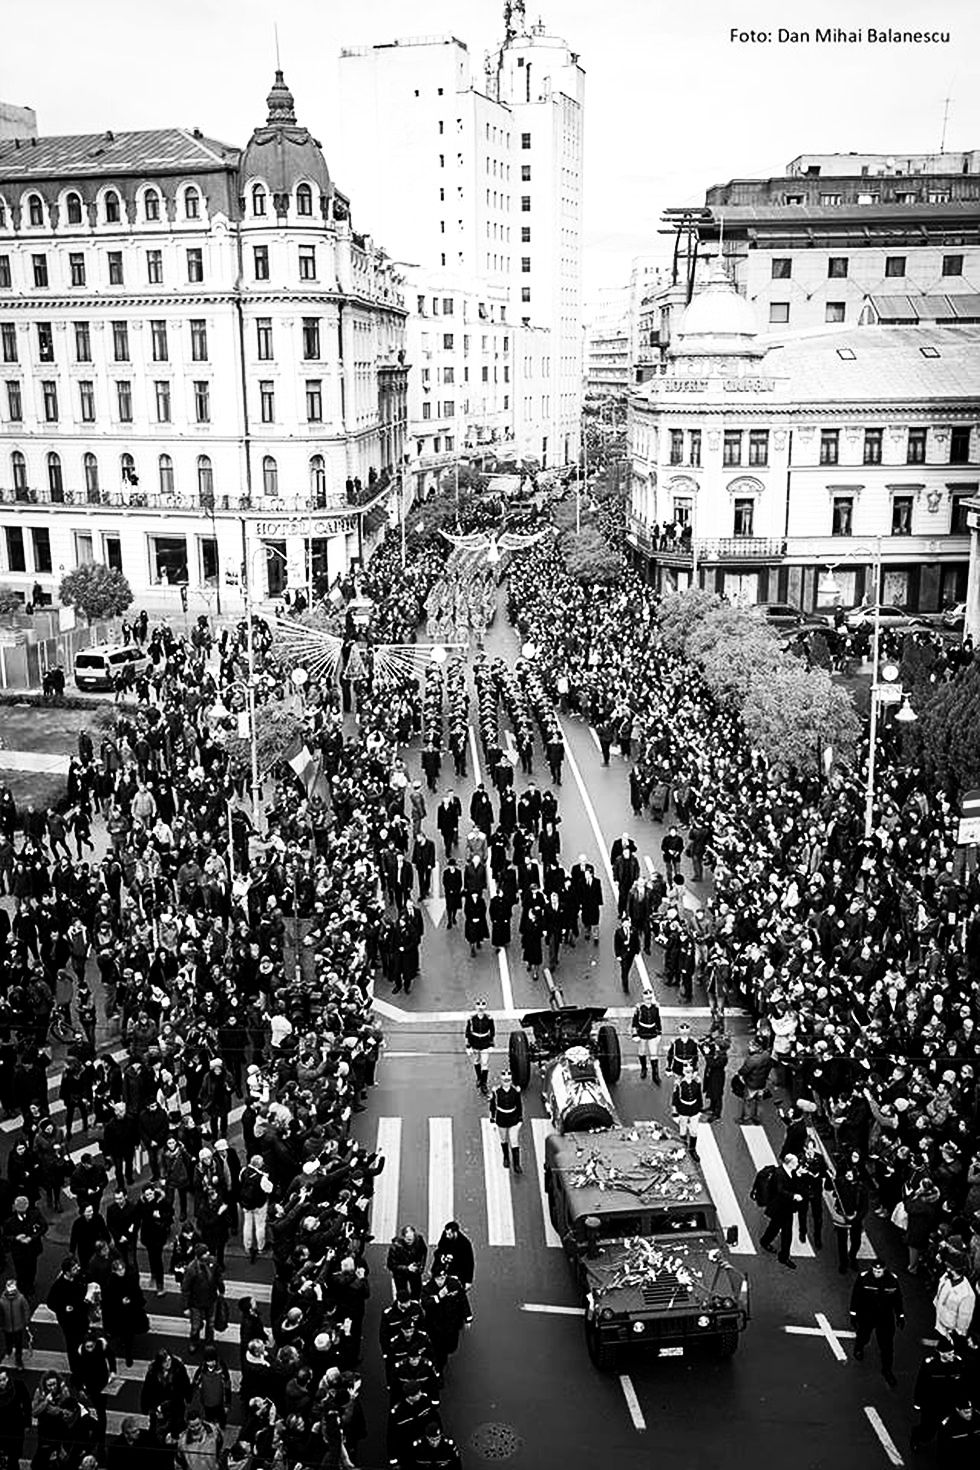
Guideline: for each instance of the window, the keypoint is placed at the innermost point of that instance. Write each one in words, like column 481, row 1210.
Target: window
column 525, row 293
column 782, row 268
column 485, row 375
column 311, row 338
column 151, row 205
column 205, row 477
column 872, row 445
column 49, row 395
column 35, row 210
column 314, row 401
column 525, row 204
column 45, row 342
column 829, row 446
column 111, row 208
column 449, row 408
column 84, row 554
column 56, row 484
column 694, row 448
column 842, row 516
column 5, row 278
column 448, row 341
column 834, row 311
column 952, row 265
column 894, row 265
column 794, row 198
column 115, row 260
column 40, row 267
column 758, row 447
column 304, row 200
column 154, row 267
column 270, row 476
column 18, row 470
column 73, row 207
column 161, row 391
column 165, row 466
column 8, row 341
column 86, row 401
column 916, row 449
column 959, row 444
column 209, row 559
column 168, row 560
column 124, row 400
column 260, row 262
column 192, row 204
column 525, row 234
column 258, row 199
column 83, row 342
column 525, row 173
column 16, row 557
column 525, row 264
column 112, row 552
column 15, row 406
column 76, row 268
column 263, row 338
column 195, row 265
column 732, row 450
column 41, row 547
column 958, row 525
column 830, row 198
column 427, row 410
column 120, row 342
column 90, row 467
column 525, row 140
column 267, row 402
column 837, row 267
column 447, row 306
column 202, row 402
column 744, row 512
column 158, row 341
column 199, row 341
column 307, row 262
column 449, row 375
column 318, row 479
column 902, row 515
column 778, row 312
column 127, row 470
column 677, row 446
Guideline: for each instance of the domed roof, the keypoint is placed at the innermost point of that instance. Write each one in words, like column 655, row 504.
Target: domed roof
column 283, row 153
column 718, row 322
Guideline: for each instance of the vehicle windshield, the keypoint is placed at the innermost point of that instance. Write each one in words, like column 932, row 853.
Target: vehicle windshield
column 652, row 1223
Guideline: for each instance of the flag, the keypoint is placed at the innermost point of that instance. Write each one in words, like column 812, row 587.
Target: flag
column 305, row 765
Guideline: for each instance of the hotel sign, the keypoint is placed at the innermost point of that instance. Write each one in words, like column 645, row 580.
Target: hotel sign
column 305, row 525
column 704, row 385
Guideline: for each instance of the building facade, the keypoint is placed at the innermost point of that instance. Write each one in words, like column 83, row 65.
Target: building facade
column 759, row 462
column 17, row 122
column 201, row 362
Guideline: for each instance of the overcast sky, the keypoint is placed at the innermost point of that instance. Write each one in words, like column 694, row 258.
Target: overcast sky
column 672, row 105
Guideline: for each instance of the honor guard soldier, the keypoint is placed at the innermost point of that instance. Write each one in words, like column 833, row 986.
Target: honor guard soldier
column 682, row 1052
column 480, row 1033
column 507, row 1111
column 646, row 1029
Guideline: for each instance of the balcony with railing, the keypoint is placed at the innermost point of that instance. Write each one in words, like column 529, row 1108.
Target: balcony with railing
column 677, row 550
column 131, row 498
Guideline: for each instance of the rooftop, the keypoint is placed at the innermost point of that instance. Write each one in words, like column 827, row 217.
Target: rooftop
column 154, row 151
column 876, row 364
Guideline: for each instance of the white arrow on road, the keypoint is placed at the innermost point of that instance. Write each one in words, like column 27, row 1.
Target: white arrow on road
column 435, row 906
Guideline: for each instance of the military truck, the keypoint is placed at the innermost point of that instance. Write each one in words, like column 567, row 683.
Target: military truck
column 640, row 1231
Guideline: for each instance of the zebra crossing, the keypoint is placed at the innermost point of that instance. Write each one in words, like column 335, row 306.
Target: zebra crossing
column 451, row 1171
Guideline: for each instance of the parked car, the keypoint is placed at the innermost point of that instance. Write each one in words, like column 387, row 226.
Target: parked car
column 890, row 615
column 783, row 615
column 954, row 618
column 97, row 667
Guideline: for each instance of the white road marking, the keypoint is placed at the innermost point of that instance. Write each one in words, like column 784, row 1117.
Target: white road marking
column 649, row 863
column 546, row 1310
column 435, row 906
column 722, row 1192
column 885, row 1439
column 384, row 1205
column 440, row 1176
column 540, row 1128
column 42, row 1361
column 632, row 1402
column 866, row 1251
column 595, row 738
column 259, row 1291
column 475, row 755
column 396, row 1013
column 161, row 1326
column 762, row 1153
column 831, row 1336
column 500, row 1208
column 796, row 1331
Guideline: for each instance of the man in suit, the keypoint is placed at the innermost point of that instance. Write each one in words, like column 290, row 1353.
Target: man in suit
column 452, row 888
column 784, row 1202
column 448, row 814
column 626, row 947
column 423, row 861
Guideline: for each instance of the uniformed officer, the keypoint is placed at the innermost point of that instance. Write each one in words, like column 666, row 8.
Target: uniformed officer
column 687, row 1105
column 507, row 1111
column 435, row 1450
column 480, row 1033
column 876, row 1306
column 937, row 1387
column 646, row 1028
column 959, row 1437
column 682, row 1052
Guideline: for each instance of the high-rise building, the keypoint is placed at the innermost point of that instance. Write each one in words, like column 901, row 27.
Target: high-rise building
column 201, row 361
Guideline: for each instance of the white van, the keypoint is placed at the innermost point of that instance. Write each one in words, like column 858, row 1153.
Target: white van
column 97, row 667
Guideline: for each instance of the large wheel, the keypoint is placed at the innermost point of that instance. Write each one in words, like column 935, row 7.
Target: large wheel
column 610, row 1056
column 519, row 1054
column 602, row 1354
column 728, row 1342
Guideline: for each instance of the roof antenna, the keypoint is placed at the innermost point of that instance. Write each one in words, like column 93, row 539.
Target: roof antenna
column 942, row 141
column 275, row 32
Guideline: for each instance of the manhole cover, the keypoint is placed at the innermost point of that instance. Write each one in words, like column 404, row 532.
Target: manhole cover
column 495, row 1441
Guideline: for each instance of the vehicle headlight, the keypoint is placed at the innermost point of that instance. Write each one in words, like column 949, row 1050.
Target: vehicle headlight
column 704, row 1321
column 607, row 1314
column 639, row 1327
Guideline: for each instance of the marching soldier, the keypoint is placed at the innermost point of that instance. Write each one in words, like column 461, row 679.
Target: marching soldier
column 480, row 1033
column 687, row 1105
column 507, row 1111
column 876, row 1306
column 682, row 1052
column 646, row 1029
column 937, row 1387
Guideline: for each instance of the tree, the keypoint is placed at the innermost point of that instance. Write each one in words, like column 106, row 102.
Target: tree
column 949, row 732
column 723, row 626
column 792, row 713
column 9, row 601
column 680, row 612
column 589, row 560
column 733, row 666
column 276, row 729
column 96, row 591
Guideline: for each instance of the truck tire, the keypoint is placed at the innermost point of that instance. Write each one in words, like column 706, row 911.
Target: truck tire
column 602, row 1354
column 587, row 1117
column 728, row 1342
column 610, row 1055
column 519, row 1055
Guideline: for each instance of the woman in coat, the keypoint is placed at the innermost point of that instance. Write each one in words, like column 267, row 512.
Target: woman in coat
column 475, row 927
column 500, row 921
column 124, row 1309
column 531, row 931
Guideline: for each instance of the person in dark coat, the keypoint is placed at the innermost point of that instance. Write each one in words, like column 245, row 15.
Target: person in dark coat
column 15, row 1417
column 626, row 947
column 124, row 1309
column 481, row 810
column 475, row 927
column 446, row 1310
column 937, row 1387
column 590, row 902
column 406, row 1261
column 448, row 815
column 876, row 1307
column 784, row 1203
column 452, row 888
column 423, row 861
column 532, row 933
column 454, row 1253
column 88, row 1227
column 500, row 921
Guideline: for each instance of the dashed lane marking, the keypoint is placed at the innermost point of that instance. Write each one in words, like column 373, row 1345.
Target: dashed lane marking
column 884, row 1438
column 632, row 1402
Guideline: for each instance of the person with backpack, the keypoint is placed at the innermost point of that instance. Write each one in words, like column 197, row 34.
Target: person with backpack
column 778, row 1190
column 254, row 1193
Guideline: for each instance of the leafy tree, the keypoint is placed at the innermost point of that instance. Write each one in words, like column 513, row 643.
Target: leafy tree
column 590, row 560
column 949, row 732
column 723, row 626
column 680, row 612
column 733, row 666
column 918, row 662
column 791, row 714
column 97, row 591
column 9, row 601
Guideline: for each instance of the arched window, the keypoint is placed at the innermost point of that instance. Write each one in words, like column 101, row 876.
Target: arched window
column 127, row 470
column 151, row 204
column 304, row 199
column 258, row 199
column 192, row 204
column 91, row 467
column 318, row 480
column 112, row 208
column 55, row 483
column 18, row 468
column 35, row 209
column 3, row 215
column 166, row 475
column 270, row 476
column 73, row 204
column 205, row 477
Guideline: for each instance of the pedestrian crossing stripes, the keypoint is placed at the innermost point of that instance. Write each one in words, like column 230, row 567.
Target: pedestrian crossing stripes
column 722, row 1192
column 440, row 1175
column 762, row 1153
column 384, row 1206
column 500, row 1208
